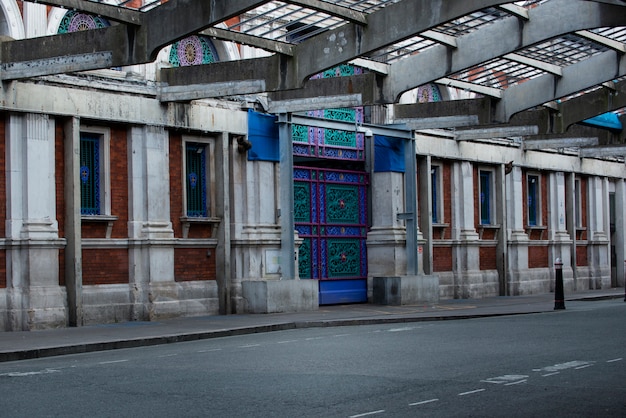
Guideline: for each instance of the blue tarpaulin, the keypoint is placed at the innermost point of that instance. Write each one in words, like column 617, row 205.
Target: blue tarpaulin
column 388, row 154
column 607, row 120
column 263, row 134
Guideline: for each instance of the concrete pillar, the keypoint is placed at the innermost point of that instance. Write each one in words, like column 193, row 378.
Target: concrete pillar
column 560, row 239
column 598, row 222
column 153, row 290
column 387, row 236
column 73, row 233
column 517, row 239
column 620, row 228
column 466, row 255
column 425, row 205
column 223, row 262
column 35, row 299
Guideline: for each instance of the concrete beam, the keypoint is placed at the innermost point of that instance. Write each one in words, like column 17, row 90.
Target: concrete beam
column 605, row 151
column 476, row 88
column 315, row 103
column 481, row 108
column 496, row 132
column 250, row 40
column 501, row 37
column 203, row 91
column 538, row 144
column 126, row 44
column 439, row 122
column 385, row 27
column 576, row 77
column 109, row 11
column 332, row 10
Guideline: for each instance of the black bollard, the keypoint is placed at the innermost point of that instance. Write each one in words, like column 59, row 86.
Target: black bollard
column 559, row 297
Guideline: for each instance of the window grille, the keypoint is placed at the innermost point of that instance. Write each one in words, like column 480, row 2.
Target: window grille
column 196, row 180
column 533, row 200
column 89, row 174
column 485, row 197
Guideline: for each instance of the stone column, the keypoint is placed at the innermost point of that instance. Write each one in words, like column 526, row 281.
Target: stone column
column 153, row 289
column 387, row 237
column 620, row 228
column 517, row 254
column 35, row 299
column 560, row 239
column 466, row 255
column 599, row 246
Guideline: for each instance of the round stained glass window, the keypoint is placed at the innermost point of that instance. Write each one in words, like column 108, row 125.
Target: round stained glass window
column 76, row 21
column 193, row 50
column 428, row 93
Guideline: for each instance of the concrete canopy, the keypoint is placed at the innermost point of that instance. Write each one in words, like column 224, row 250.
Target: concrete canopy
column 525, row 54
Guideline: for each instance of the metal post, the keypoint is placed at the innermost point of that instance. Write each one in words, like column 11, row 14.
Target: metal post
column 559, row 298
column 287, row 256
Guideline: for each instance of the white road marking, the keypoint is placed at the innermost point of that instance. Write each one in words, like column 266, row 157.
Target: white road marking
column 249, row 345
column 287, row 342
column 113, row 361
column 516, row 383
column 471, row 392
column 167, row 355
column 423, row 402
column 400, row 329
column 614, row 360
column 583, row 367
column 24, row 374
column 380, row 411
column 563, row 366
column 313, row 338
column 507, row 378
column 208, row 351
column 550, row 374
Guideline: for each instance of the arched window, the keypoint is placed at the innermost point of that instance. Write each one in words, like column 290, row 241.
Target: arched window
column 428, row 93
column 193, row 50
column 77, row 21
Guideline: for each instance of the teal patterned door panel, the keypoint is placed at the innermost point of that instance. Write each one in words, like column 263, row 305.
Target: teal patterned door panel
column 330, row 211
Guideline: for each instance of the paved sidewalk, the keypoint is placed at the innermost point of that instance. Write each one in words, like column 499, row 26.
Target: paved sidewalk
column 45, row 343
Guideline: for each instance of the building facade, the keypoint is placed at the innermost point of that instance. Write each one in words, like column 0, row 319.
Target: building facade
column 120, row 207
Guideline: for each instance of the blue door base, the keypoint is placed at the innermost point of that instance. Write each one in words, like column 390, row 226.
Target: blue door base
column 334, row 292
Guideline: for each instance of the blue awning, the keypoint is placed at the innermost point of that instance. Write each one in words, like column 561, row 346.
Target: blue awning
column 607, row 120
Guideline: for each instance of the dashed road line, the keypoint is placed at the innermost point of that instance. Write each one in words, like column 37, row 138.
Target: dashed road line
column 380, row 411
column 614, row 360
column 550, row 374
column 113, row 361
column 471, row 392
column 424, row 402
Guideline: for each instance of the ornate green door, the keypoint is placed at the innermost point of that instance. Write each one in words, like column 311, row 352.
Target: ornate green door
column 331, row 217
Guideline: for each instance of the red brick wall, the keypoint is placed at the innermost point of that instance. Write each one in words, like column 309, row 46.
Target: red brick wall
column 105, row 266
column 537, row 256
column 194, row 264
column 488, row 258
column 581, row 255
column 176, row 182
column 442, row 258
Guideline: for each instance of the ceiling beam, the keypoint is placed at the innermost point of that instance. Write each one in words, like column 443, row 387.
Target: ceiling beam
column 604, row 151
column 577, row 77
column 315, row 103
column 531, row 62
column 204, row 91
column 109, row 11
column 476, row 88
column 558, row 143
column 344, row 13
column 501, row 37
column 126, row 44
column 496, row 132
column 603, row 40
column 250, row 40
column 438, row 122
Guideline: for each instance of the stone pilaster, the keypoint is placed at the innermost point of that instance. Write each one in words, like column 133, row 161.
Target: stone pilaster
column 598, row 223
column 154, row 292
column 35, row 299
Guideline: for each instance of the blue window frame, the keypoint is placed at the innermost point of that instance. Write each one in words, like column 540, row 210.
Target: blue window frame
column 90, row 154
column 196, row 181
column 485, row 196
column 533, row 200
column 434, row 177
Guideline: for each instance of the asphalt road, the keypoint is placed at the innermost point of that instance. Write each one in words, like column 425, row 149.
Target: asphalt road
column 568, row 363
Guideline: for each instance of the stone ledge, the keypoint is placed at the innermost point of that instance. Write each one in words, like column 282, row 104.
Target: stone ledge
column 405, row 290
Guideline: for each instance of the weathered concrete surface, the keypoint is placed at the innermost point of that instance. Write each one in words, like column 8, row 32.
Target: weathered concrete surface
column 272, row 296
column 406, row 290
